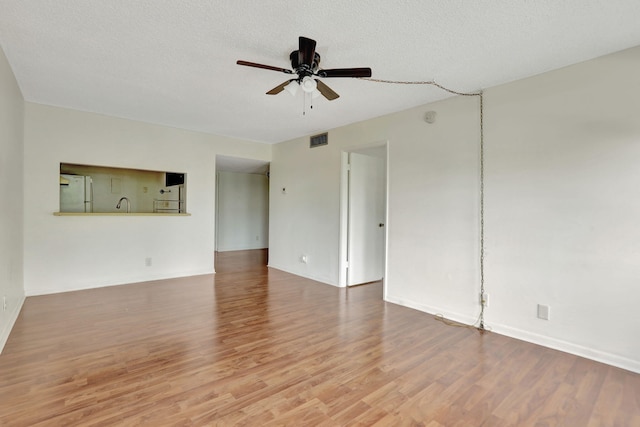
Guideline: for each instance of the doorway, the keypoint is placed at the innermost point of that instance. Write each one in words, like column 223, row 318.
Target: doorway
column 242, row 205
column 363, row 215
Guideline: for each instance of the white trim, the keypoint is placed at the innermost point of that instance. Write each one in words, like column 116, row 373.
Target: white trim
column 344, row 213
column 451, row 315
column 233, row 248
column 568, row 347
column 343, row 263
column 530, row 337
column 129, row 281
column 11, row 321
column 297, row 273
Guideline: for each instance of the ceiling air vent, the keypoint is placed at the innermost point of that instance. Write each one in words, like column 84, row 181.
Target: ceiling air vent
column 318, row 140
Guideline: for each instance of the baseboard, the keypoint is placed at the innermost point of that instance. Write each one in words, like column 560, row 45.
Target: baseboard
column 451, row 315
column 11, row 320
column 127, row 281
column 545, row 341
column 306, row 276
column 240, row 248
column 568, row 347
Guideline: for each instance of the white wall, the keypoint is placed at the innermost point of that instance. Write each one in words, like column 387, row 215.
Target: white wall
column 11, row 197
column 68, row 253
column 562, row 207
column 304, row 209
column 243, row 211
column 444, row 155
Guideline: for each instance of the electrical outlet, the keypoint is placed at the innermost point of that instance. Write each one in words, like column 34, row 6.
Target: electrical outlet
column 484, row 299
column 543, row 312
column 148, row 262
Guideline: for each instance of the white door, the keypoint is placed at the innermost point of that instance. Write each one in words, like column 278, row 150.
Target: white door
column 366, row 219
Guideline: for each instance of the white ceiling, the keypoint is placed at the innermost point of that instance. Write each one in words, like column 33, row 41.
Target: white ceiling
column 173, row 62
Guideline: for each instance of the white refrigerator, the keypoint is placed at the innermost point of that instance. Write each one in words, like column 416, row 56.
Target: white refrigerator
column 76, row 193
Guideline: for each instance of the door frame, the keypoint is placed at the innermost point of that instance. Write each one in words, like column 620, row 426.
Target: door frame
column 344, row 210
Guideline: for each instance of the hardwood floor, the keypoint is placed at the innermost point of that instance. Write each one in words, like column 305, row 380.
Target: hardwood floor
column 256, row 346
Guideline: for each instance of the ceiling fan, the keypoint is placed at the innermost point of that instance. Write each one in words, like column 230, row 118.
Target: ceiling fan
column 305, row 62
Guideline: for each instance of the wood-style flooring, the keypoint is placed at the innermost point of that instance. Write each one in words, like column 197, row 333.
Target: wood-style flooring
column 251, row 346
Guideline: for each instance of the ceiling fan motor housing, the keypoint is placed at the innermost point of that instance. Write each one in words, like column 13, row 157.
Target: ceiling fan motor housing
column 304, row 70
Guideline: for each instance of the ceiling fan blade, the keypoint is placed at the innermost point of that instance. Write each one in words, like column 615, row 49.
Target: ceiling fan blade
column 265, row 67
column 306, row 51
column 276, row 90
column 345, row 72
column 326, row 91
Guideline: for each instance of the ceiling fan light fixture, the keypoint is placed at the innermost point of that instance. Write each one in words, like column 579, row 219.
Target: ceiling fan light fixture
column 292, row 87
column 305, row 64
column 308, row 84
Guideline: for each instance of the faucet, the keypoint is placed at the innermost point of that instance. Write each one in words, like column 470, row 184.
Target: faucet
column 128, row 204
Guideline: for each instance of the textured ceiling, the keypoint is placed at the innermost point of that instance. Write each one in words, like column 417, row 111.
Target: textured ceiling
column 173, row 62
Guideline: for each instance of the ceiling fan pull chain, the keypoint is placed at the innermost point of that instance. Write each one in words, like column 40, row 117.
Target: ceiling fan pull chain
column 304, row 104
